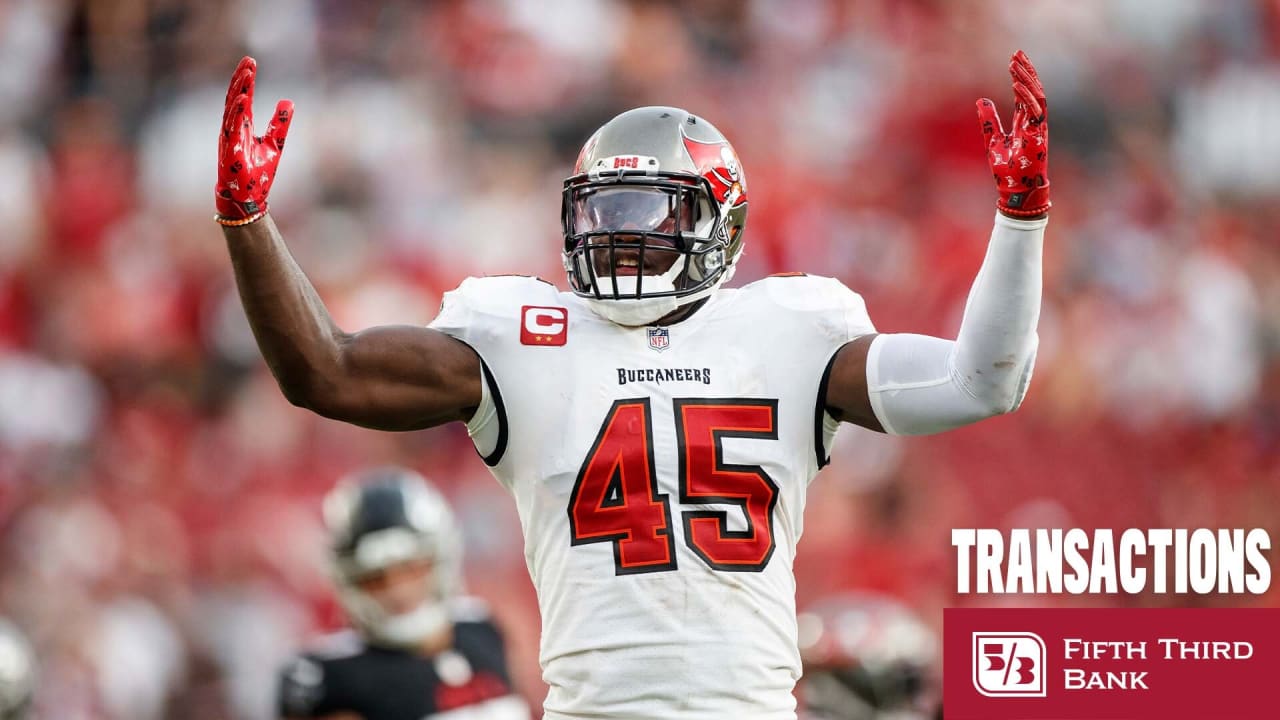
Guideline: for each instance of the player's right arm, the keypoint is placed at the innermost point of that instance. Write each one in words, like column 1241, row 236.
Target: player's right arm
column 388, row 378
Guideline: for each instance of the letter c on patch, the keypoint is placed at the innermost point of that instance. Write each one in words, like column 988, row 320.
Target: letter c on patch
column 544, row 325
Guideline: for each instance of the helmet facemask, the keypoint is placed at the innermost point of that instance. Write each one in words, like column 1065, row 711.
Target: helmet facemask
column 639, row 246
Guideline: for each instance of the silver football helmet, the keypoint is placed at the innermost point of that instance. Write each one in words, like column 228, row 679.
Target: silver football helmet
column 653, row 214
column 383, row 517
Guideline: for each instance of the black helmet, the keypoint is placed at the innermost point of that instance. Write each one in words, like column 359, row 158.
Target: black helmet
column 383, row 517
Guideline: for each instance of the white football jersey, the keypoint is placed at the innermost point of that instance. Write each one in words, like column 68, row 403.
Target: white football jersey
column 660, row 476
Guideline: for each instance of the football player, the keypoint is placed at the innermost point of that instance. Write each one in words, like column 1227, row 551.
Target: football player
column 656, row 430
column 417, row 652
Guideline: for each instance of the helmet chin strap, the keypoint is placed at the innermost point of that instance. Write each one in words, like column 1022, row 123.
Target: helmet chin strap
column 635, row 312
column 405, row 630
column 411, row 628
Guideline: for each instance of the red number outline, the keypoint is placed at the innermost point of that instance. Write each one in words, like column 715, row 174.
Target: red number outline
column 578, row 536
column 711, row 551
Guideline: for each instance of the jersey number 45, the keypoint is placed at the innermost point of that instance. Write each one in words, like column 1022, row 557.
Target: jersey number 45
column 616, row 498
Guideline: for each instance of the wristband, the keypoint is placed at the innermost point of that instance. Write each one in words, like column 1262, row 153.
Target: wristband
column 232, row 222
column 1024, row 213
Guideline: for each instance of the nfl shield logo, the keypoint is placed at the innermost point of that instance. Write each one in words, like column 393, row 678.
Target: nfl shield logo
column 659, row 338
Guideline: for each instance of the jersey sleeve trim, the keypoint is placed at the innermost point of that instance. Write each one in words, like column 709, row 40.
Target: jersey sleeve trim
column 500, row 410
column 820, row 413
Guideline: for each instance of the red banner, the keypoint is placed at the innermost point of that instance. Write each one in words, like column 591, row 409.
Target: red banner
column 1052, row 664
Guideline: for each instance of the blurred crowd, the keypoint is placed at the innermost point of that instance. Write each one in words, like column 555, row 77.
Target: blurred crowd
column 160, row 540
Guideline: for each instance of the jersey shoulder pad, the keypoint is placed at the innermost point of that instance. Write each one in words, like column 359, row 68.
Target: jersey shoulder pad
column 471, row 617
column 337, row 645
column 825, row 299
column 301, row 687
column 304, row 686
column 480, row 300
column 498, row 293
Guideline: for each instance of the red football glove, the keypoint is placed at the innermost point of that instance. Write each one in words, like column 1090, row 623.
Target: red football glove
column 1020, row 159
column 246, row 162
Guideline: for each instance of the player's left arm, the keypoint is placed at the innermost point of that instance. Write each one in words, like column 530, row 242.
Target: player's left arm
column 915, row 384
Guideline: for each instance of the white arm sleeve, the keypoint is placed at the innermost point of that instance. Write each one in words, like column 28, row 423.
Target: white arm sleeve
column 920, row 384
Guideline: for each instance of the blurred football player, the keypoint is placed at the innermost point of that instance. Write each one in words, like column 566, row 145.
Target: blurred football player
column 867, row 657
column 657, row 430
column 418, row 651
column 17, row 673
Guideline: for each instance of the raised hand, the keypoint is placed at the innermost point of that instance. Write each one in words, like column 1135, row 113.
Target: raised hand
column 247, row 162
column 1019, row 158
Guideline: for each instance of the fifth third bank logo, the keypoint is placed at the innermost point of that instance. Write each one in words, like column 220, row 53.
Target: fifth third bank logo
column 1009, row 664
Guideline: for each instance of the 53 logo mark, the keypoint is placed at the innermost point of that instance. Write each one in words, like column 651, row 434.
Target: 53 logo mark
column 1009, row 664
